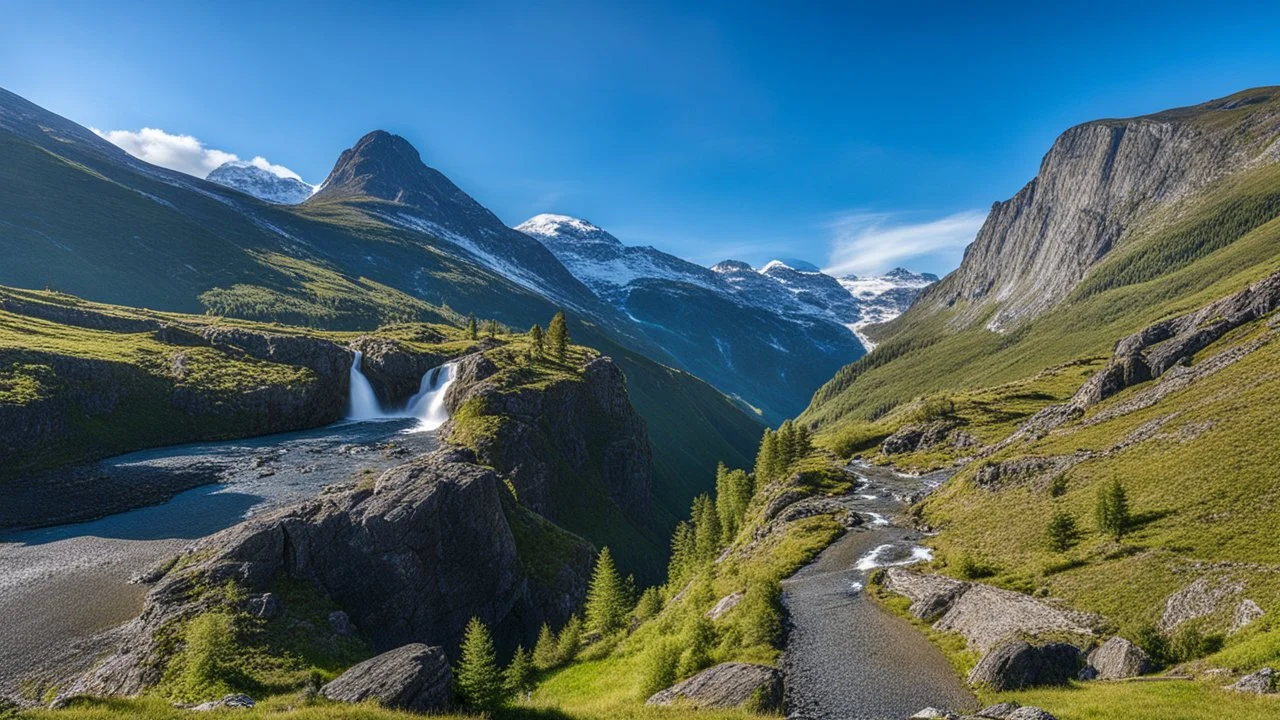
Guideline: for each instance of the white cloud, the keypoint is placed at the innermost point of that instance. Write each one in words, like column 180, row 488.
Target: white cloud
column 183, row 153
column 868, row 243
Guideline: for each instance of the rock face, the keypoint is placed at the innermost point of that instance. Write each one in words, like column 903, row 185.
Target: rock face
column 1202, row 597
column 931, row 595
column 727, row 685
column 1117, row 659
column 551, row 439
column 1097, row 181
column 415, row 677
column 394, row 371
column 1262, row 682
column 1247, row 612
column 400, row 557
column 260, row 183
column 1016, row 664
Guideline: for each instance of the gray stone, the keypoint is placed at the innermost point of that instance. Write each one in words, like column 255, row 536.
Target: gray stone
column 414, row 677
column 727, row 685
column 999, row 710
column 987, row 615
column 1262, row 682
column 931, row 595
column 1016, row 664
column 265, row 606
column 726, row 603
column 1202, row 597
column 1247, row 612
column 229, row 701
column 1117, row 659
column 340, row 622
column 930, row 713
column 1029, row 713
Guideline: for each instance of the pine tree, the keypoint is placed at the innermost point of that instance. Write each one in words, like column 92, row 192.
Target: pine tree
column 767, row 457
column 706, row 528
column 1112, row 510
column 570, row 640
column 649, row 604
column 684, row 552
column 545, row 652
column 606, row 608
column 537, row 337
column 558, row 336
column 733, row 494
column 518, row 677
column 472, row 328
column 1062, row 531
column 477, row 677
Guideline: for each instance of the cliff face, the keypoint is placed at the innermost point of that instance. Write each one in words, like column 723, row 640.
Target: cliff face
column 551, row 439
column 1098, row 181
column 400, row 557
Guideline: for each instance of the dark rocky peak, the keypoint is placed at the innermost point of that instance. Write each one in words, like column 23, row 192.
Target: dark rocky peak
column 732, row 266
column 383, row 166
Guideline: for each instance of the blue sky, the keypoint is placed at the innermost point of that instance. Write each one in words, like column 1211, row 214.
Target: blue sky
column 855, row 136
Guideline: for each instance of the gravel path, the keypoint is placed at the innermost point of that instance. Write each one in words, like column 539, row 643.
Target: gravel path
column 846, row 657
column 63, row 588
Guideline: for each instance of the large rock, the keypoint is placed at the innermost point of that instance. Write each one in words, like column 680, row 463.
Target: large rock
column 1262, row 682
column 727, row 685
column 1247, row 613
column 931, row 595
column 1117, row 659
column 1204, row 596
column 399, row 557
column 1016, row 664
column 987, row 615
column 394, row 370
column 414, row 677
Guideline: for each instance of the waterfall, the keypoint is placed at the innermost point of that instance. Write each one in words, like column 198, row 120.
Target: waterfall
column 427, row 405
column 362, row 404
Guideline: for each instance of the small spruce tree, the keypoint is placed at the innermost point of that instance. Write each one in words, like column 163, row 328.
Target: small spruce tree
column 767, row 457
column 706, row 528
column 545, row 652
column 1062, row 532
column 649, row 604
column 518, row 677
column 537, row 337
column 570, row 641
column 478, row 680
column 684, row 553
column 606, row 607
column 1112, row 510
column 558, row 336
column 473, row 329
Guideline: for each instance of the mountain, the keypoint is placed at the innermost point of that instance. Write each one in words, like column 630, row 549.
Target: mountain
column 260, row 183
column 882, row 298
column 385, row 240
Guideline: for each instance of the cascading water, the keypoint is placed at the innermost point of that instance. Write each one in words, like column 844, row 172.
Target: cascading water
column 362, row 403
column 427, row 405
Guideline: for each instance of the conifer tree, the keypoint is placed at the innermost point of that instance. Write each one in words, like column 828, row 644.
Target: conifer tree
column 1112, row 510
column 1062, row 531
column 733, row 494
column 570, row 640
column 767, row 457
column 607, row 607
column 473, row 330
column 706, row 528
column 537, row 337
column 558, row 336
column 545, row 652
column 649, row 604
column 477, row 677
column 683, row 553
column 518, row 677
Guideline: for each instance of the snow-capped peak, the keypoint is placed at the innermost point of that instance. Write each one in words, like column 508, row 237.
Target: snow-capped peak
column 548, row 226
column 252, row 179
column 725, row 267
column 790, row 264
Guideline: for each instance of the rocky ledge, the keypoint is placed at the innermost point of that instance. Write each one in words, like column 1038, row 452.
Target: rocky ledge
column 398, row 555
column 757, row 687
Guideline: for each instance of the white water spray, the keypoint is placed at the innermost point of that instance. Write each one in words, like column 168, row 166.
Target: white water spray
column 427, row 405
column 362, row 403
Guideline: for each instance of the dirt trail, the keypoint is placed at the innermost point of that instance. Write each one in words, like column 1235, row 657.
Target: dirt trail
column 846, row 657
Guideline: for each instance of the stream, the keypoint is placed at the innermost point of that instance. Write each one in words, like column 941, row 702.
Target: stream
column 847, row 658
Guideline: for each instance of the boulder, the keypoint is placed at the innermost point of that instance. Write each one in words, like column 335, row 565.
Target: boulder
column 1016, row 664
column 999, row 710
column 1262, row 682
column 931, row 595
column 414, row 677
column 987, row 615
column 228, row 701
column 1117, row 659
column 1029, row 713
column 1202, row 597
column 727, row 685
column 726, row 603
column 930, row 713
column 265, row 606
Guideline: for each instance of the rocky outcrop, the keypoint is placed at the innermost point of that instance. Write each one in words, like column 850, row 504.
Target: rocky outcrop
column 925, row 436
column 1097, row 181
column 394, row 370
column 1117, row 659
column 1017, row 664
column 1262, row 682
column 1247, row 613
column 985, row 615
column 758, row 687
column 725, row 604
column 399, row 557
column 1204, row 596
column 415, row 677
column 552, row 440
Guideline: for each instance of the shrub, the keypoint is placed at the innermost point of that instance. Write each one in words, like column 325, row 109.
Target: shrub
column 659, row 665
column 1190, row 644
column 1062, row 531
column 699, row 640
column 971, row 568
column 760, row 613
column 649, row 605
column 206, row 665
column 1058, row 486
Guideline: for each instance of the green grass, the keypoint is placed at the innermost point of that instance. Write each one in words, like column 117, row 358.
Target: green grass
column 1167, row 700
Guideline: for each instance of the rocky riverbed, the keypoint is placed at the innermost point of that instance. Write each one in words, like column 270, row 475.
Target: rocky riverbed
column 64, row 587
column 847, row 657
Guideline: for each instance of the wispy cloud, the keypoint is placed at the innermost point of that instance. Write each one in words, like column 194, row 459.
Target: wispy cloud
column 866, row 243
column 183, row 153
